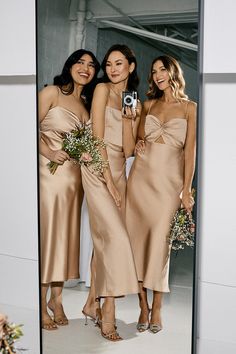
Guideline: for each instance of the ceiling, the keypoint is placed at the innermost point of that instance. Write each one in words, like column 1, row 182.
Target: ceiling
column 169, row 25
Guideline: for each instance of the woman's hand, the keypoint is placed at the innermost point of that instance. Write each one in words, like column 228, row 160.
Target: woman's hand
column 139, row 147
column 129, row 113
column 114, row 193
column 59, row 156
column 188, row 201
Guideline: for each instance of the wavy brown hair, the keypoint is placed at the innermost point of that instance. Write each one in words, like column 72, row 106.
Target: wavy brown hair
column 177, row 81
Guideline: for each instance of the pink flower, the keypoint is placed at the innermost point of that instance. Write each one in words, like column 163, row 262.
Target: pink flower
column 86, row 157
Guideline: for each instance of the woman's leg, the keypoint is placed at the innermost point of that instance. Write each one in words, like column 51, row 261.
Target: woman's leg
column 155, row 322
column 143, row 321
column 55, row 304
column 107, row 320
column 92, row 304
column 47, row 322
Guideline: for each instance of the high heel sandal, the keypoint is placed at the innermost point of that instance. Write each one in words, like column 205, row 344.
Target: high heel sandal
column 143, row 326
column 112, row 336
column 155, row 327
column 91, row 317
column 87, row 315
column 60, row 320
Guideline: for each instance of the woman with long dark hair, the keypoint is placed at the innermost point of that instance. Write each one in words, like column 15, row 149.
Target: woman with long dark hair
column 115, row 273
column 62, row 106
column 160, row 179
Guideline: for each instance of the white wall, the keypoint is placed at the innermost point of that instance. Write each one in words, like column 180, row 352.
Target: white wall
column 18, row 233
column 19, row 294
column 217, row 274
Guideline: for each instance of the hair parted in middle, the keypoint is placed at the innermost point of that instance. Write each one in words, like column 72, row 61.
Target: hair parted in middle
column 65, row 82
column 177, row 81
column 133, row 79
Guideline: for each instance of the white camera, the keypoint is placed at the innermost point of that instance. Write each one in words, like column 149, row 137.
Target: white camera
column 129, row 99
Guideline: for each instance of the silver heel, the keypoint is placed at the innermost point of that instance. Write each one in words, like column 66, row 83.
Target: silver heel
column 141, row 327
column 155, row 327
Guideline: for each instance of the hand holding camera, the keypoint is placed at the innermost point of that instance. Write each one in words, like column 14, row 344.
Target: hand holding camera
column 129, row 104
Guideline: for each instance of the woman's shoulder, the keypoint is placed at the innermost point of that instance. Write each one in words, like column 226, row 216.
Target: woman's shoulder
column 191, row 106
column 148, row 103
column 102, row 87
column 50, row 91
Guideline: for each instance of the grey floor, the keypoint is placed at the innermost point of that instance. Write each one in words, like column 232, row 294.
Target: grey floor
column 175, row 338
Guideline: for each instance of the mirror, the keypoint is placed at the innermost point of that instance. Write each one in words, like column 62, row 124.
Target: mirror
column 150, row 29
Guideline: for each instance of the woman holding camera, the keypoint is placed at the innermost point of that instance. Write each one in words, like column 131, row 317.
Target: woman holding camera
column 163, row 169
column 115, row 273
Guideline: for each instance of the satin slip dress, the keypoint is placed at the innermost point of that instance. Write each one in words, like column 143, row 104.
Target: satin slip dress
column 153, row 196
column 115, row 269
column 61, row 198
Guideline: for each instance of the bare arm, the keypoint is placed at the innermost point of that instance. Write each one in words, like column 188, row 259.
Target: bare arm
column 189, row 156
column 129, row 130
column 47, row 98
column 140, row 146
column 99, row 102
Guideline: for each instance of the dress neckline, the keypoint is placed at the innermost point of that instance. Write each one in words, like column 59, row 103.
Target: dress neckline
column 65, row 109
column 162, row 123
column 116, row 109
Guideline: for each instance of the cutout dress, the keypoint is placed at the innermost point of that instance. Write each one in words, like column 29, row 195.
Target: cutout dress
column 153, row 196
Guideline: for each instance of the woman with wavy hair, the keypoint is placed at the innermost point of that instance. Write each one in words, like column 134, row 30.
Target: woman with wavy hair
column 114, row 271
column 62, row 106
column 160, row 180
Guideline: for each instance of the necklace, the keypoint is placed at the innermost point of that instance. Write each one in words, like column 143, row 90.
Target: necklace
column 117, row 94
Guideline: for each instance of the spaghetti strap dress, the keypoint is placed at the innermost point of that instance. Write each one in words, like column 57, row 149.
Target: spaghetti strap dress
column 61, row 198
column 153, row 195
column 115, row 269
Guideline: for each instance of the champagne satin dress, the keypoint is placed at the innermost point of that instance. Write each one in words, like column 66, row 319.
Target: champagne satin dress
column 115, row 269
column 153, row 196
column 61, row 197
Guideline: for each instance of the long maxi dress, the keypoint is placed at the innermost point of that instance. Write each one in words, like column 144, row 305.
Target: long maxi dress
column 61, row 197
column 115, row 269
column 153, row 196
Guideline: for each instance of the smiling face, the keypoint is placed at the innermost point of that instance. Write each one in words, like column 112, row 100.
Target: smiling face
column 160, row 75
column 118, row 67
column 83, row 71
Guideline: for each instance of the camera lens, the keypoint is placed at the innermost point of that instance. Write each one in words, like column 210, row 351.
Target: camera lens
column 128, row 100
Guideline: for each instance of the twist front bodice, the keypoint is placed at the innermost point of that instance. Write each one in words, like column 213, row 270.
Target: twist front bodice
column 173, row 132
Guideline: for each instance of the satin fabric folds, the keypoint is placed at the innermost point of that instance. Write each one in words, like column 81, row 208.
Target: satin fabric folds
column 115, row 269
column 61, row 197
column 153, row 196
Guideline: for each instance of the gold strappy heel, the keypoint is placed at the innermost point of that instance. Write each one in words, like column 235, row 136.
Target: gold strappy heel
column 112, row 336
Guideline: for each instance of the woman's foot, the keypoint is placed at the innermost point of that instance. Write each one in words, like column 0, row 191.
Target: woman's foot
column 155, row 322
column 143, row 321
column 106, row 320
column 90, row 310
column 48, row 323
column 58, row 312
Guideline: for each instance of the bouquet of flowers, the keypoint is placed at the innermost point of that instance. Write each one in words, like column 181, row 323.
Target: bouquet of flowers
column 182, row 229
column 11, row 332
column 83, row 148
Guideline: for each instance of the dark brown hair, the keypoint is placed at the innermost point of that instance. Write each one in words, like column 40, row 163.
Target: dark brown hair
column 65, row 82
column 133, row 79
